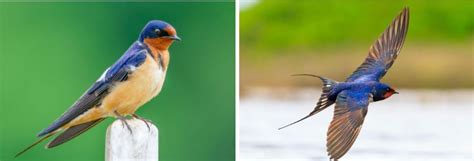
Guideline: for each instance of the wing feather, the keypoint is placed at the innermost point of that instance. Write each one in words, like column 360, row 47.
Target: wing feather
column 94, row 95
column 384, row 51
column 349, row 114
column 72, row 132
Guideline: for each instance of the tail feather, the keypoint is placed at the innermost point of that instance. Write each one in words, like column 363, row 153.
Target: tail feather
column 323, row 101
column 35, row 143
column 72, row 132
column 67, row 135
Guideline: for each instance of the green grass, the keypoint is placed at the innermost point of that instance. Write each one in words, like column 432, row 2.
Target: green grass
column 280, row 25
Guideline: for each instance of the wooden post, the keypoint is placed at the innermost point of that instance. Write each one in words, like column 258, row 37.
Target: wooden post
column 140, row 145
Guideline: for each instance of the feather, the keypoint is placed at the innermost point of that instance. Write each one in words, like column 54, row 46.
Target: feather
column 72, row 132
column 384, row 51
column 349, row 114
column 323, row 101
column 35, row 143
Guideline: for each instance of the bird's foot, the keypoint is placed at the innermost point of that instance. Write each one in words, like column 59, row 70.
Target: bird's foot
column 124, row 121
column 143, row 119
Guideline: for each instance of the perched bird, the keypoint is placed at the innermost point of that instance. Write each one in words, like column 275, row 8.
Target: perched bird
column 353, row 96
column 130, row 82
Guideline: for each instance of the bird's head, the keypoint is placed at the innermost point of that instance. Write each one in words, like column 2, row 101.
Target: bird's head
column 158, row 34
column 383, row 91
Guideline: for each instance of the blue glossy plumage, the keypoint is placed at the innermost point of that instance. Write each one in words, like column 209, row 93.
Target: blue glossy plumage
column 353, row 96
column 132, row 58
column 149, row 30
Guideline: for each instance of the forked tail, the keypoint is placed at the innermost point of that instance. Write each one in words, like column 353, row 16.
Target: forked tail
column 323, row 102
column 35, row 143
column 65, row 136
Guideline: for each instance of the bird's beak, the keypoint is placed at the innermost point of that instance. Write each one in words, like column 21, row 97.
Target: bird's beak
column 174, row 37
column 395, row 92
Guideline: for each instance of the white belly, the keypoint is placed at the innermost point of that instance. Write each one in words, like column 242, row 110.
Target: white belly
column 142, row 85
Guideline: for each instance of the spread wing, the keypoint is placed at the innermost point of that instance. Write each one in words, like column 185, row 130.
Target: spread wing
column 349, row 114
column 384, row 51
column 94, row 95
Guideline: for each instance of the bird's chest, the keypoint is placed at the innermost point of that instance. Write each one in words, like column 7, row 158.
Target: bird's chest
column 144, row 83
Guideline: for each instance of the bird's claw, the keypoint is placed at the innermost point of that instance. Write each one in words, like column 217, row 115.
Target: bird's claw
column 124, row 121
column 144, row 120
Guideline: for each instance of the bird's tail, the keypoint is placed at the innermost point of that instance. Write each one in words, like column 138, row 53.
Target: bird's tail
column 72, row 132
column 323, row 102
column 65, row 136
column 327, row 83
column 35, row 143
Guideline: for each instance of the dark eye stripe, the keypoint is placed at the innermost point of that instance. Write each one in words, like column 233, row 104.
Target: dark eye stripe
column 161, row 33
column 164, row 33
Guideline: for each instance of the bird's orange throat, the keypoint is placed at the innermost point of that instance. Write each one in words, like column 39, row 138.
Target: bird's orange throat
column 158, row 43
column 159, row 50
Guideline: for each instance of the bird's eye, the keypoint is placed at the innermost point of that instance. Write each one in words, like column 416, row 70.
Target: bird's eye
column 157, row 31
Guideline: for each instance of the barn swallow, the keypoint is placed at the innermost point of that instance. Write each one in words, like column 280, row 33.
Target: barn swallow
column 134, row 79
column 353, row 96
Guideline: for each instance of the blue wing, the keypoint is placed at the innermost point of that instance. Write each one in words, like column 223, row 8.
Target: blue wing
column 349, row 113
column 118, row 72
column 384, row 51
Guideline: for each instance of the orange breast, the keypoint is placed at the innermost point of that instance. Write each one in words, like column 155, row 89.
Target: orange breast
column 126, row 97
column 141, row 86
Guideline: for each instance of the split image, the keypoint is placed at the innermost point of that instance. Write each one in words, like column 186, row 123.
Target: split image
column 236, row 81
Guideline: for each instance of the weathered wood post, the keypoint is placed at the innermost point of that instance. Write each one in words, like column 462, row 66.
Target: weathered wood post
column 140, row 145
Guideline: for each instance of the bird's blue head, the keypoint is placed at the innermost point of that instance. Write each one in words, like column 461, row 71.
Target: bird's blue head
column 158, row 34
column 382, row 91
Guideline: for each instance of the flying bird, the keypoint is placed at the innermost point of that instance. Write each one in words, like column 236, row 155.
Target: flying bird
column 353, row 96
column 134, row 79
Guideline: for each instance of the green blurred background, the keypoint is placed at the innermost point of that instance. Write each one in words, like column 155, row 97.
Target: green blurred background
column 332, row 38
column 52, row 52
